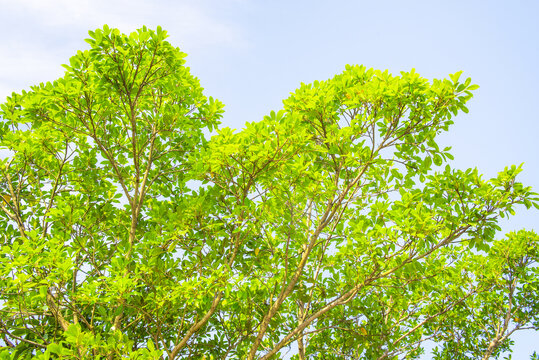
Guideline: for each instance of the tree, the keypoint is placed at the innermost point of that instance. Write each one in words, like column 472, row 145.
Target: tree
column 331, row 227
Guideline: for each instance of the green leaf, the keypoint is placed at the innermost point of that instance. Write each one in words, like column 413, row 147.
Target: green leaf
column 126, row 232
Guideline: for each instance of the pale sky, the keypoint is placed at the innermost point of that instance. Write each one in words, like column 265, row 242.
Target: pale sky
column 251, row 54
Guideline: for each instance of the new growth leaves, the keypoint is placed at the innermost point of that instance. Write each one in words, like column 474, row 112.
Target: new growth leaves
column 334, row 224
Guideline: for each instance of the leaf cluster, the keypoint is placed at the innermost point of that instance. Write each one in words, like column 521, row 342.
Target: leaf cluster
column 334, row 226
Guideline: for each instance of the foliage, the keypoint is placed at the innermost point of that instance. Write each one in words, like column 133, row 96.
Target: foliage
column 333, row 227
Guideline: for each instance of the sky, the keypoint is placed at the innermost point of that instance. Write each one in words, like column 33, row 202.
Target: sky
column 251, row 54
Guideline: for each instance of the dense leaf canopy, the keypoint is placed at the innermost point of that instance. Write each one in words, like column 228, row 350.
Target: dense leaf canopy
column 331, row 229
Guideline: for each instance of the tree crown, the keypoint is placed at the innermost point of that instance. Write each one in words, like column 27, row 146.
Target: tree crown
column 334, row 226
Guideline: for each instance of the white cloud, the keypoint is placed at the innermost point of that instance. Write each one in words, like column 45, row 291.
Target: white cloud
column 22, row 67
column 40, row 35
column 56, row 12
column 188, row 20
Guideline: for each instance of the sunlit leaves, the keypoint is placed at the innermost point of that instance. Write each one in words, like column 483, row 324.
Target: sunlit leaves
column 335, row 224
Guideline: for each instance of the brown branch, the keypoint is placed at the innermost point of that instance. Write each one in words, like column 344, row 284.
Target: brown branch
column 55, row 310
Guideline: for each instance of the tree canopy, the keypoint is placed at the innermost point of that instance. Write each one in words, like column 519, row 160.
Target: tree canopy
column 331, row 229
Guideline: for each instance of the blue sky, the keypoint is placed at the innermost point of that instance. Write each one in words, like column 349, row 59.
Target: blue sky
column 252, row 54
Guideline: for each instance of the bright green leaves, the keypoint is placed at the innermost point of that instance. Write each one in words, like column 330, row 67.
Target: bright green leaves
column 346, row 174
column 127, row 94
column 87, row 153
column 332, row 223
column 505, row 281
column 362, row 113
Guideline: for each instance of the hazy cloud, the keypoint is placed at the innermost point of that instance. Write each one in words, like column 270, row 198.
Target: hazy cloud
column 42, row 34
column 189, row 19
